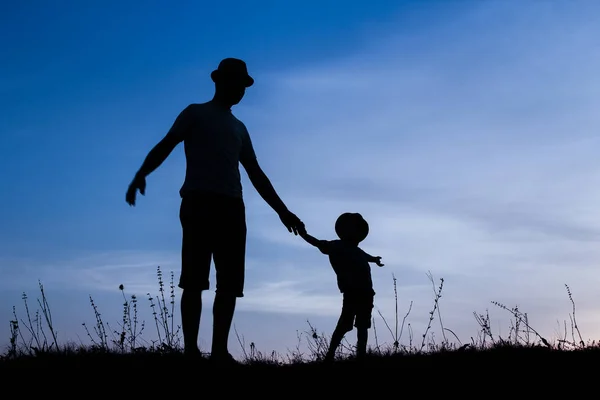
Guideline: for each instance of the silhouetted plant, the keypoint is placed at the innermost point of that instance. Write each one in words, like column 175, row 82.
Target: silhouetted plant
column 574, row 326
column 396, row 336
column 35, row 335
column 129, row 335
column 38, row 341
column 14, row 336
column 168, row 337
column 486, row 331
column 100, row 340
column 437, row 295
column 521, row 318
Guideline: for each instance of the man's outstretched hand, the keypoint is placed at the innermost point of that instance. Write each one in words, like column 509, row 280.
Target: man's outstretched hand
column 138, row 183
column 291, row 222
column 378, row 261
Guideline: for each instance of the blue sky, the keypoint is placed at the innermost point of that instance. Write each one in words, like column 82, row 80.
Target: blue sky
column 464, row 131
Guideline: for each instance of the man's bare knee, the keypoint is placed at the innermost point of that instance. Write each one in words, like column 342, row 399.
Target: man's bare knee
column 226, row 294
column 192, row 293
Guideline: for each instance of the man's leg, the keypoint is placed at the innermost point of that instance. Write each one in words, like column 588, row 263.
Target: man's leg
column 191, row 309
column 196, row 254
column 229, row 257
column 223, row 310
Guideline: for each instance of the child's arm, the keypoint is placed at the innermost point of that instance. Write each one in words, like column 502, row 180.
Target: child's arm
column 320, row 244
column 373, row 259
column 309, row 239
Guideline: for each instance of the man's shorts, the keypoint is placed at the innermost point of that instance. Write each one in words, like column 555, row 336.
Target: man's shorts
column 214, row 228
column 357, row 309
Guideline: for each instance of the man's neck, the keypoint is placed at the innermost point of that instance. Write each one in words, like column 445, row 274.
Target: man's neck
column 220, row 103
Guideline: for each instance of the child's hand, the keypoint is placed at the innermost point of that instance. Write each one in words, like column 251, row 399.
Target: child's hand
column 302, row 230
column 378, row 261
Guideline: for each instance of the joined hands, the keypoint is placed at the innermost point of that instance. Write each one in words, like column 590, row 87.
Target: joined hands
column 292, row 222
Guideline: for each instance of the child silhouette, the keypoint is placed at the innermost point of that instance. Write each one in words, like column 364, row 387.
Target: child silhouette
column 351, row 266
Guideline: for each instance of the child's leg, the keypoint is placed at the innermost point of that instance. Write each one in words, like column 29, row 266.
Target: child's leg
column 362, row 335
column 336, row 340
column 363, row 323
column 344, row 325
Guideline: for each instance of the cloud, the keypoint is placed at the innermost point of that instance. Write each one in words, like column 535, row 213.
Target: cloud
column 105, row 271
column 475, row 160
column 469, row 146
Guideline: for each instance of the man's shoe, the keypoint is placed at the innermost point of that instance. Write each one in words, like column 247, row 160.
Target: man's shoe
column 224, row 359
column 192, row 353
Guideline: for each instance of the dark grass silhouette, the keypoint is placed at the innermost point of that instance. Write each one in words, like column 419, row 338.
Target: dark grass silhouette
column 33, row 343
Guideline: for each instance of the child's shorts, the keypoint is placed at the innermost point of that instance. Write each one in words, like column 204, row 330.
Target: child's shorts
column 357, row 309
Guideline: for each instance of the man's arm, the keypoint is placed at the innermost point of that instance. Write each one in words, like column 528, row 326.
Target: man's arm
column 163, row 149
column 263, row 186
column 158, row 155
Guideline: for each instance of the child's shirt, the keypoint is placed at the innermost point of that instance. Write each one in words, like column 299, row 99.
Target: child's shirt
column 350, row 265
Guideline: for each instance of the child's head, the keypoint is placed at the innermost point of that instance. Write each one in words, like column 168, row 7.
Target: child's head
column 351, row 227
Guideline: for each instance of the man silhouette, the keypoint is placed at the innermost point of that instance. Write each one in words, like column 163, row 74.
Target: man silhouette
column 212, row 212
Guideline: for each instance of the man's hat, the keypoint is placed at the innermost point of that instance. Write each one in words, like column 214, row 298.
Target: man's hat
column 232, row 69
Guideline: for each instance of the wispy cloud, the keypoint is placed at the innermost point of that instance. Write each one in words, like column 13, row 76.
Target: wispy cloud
column 137, row 270
column 470, row 147
column 475, row 160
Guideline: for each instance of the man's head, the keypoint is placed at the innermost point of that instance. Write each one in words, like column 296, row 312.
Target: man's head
column 351, row 227
column 231, row 80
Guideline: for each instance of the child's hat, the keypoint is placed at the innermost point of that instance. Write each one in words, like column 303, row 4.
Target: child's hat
column 351, row 226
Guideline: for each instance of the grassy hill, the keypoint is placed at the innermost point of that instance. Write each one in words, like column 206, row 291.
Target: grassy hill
column 33, row 347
